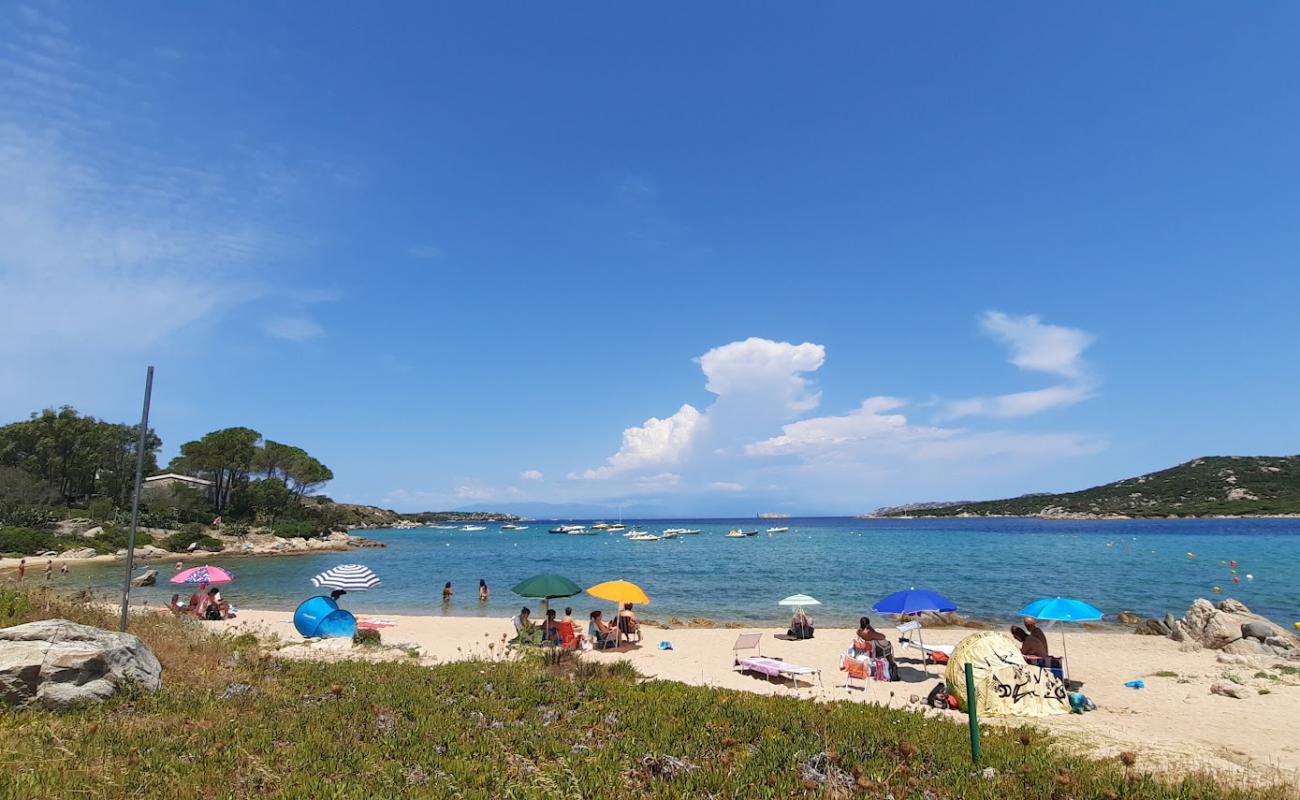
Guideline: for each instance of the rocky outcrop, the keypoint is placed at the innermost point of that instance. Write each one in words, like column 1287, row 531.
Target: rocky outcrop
column 147, row 578
column 1152, row 627
column 56, row 664
column 1231, row 627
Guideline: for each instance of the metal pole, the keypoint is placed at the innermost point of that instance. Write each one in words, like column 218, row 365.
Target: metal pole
column 135, row 498
column 1065, row 657
column 972, row 714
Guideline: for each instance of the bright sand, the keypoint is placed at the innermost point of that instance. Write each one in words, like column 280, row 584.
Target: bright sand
column 1174, row 724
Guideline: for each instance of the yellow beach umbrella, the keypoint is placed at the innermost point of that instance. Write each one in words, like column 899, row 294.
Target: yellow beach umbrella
column 619, row 592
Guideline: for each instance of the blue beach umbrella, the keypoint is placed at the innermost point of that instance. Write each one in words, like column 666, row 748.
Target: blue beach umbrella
column 915, row 601
column 1062, row 609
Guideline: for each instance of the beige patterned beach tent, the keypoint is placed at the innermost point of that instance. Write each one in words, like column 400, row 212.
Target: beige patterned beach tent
column 1005, row 686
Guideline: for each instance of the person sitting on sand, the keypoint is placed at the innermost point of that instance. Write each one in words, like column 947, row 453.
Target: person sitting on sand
column 199, row 601
column 551, row 628
column 601, row 635
column 175, row 606
column 877, row 645
column 216, row 608
column 482, row 591
column 578, row 638
column 525, row 631
column 446, row 592
column 801, row 625
column 627, row 623
column 1033, row 642
column 336, row 594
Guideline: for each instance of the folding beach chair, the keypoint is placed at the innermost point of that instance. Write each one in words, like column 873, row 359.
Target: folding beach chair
column 855, row 669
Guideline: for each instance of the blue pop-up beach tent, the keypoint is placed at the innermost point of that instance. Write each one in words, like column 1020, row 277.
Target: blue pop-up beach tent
column 320, row 617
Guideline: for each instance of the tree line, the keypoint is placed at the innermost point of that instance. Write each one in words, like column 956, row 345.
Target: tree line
column 59, row 457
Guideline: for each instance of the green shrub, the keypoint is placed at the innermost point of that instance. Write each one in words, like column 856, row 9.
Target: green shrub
column 366, row 637
column 13, row 604
column 25, row 516
column 111, row 539
column 290, row 529
column 101, row 510
column 193, row 533
column 26, row 541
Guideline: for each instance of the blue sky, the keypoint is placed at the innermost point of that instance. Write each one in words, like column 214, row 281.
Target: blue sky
column 837, row 257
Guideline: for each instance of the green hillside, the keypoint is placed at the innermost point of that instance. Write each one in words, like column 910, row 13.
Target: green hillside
column 1216, row 485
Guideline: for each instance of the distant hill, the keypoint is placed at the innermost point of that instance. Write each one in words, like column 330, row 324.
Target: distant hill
column 1211, row 486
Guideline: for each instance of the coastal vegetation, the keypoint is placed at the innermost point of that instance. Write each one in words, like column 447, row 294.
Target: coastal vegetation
column 1211, row 486
column 233, row 717
column 60, row 464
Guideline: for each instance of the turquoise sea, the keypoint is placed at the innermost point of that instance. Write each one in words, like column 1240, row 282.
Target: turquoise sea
column 989, row 567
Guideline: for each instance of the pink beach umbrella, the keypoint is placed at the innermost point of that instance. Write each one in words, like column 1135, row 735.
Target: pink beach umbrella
column 195, row 576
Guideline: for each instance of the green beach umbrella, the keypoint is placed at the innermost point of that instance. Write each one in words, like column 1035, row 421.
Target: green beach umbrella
column 546, row 587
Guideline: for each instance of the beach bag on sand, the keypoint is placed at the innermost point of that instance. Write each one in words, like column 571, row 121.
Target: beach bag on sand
column 938, row 696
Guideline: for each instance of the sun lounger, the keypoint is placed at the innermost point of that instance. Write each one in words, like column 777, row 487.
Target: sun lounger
column 936, row 653
column 770, row 667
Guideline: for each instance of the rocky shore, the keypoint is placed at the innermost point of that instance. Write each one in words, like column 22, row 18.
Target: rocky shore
column 255, row 542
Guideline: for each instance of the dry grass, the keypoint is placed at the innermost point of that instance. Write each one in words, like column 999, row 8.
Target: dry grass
column 232, row 718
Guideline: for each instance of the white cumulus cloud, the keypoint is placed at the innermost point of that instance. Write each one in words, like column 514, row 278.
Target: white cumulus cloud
column 531, row 475
column 774, row 368
column 657, row 442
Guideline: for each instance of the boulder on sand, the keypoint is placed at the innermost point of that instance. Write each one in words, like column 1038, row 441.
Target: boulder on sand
column 1217, row 626
column 1152, row 627
column 147, row 578
column 55, row 664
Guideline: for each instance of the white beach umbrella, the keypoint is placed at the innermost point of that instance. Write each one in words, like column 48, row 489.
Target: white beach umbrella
column 348, row 577
column 800, row 600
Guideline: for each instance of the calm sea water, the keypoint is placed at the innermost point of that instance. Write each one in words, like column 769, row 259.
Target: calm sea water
column 989, row 567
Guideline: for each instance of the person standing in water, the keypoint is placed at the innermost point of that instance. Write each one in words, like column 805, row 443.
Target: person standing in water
column 22, row 568
column 49, row 568
column 482, row 591
column 446, row 592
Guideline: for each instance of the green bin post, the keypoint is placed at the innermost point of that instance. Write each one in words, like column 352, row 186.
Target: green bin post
column 972, row 714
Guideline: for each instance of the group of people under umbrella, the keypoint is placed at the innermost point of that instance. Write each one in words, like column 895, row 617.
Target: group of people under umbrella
column 914, row 602
column 565, row 633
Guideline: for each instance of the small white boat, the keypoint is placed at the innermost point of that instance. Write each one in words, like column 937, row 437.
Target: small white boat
column 600, row 526
column 616, row 526
column 642, row 536
column 739, row 534
column 509, row 526
column 632, row 533
column 778, row 530
column 568, row 529
column 473, row 528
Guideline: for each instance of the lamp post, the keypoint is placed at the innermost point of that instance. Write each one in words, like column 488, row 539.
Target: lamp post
column 135, row 497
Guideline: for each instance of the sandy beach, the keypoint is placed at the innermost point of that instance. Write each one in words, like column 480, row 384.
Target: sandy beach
column 1175, row 724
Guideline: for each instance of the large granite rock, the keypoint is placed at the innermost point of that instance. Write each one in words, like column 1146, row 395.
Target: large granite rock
column 1229, row 625
column 55, row 664
column 147, row 578
column 1152, row 627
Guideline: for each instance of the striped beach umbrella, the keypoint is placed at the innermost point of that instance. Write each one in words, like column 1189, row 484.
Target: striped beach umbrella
column 195, row 576
column 348, row 577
